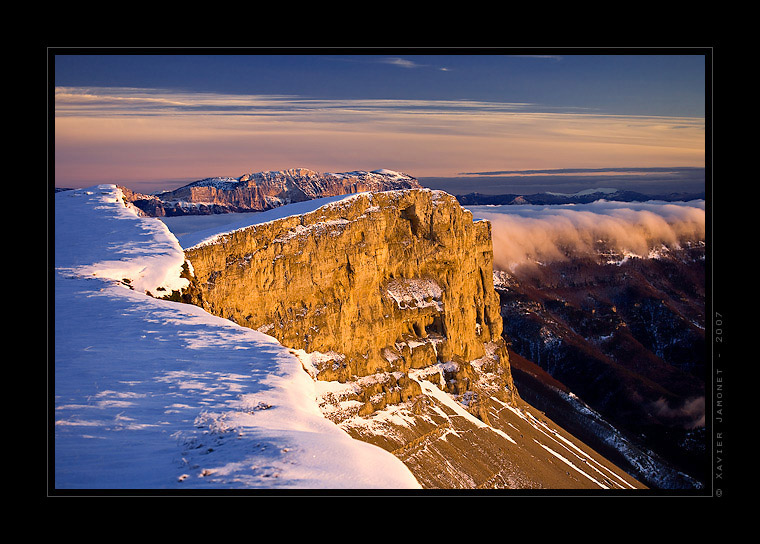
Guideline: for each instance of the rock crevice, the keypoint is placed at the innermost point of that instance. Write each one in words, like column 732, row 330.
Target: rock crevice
column 390, row 281
column 387, row 298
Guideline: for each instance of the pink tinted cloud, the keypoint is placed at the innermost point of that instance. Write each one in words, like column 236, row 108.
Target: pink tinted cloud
column 129, row 135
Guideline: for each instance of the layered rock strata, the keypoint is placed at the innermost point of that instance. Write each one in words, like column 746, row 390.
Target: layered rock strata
column 379, row 282
column 388, row 300
column 264, row 190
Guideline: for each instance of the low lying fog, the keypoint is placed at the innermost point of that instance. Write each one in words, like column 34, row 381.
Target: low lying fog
column 524, row 233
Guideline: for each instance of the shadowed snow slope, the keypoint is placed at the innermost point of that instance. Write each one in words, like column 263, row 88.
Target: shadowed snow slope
column 152, row 394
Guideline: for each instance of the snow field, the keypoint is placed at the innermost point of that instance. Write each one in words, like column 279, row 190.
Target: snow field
column 151, row 394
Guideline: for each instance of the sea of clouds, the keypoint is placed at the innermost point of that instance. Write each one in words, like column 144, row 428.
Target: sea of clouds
column 530, row 233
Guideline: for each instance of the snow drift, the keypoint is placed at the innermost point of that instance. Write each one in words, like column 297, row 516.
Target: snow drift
column 152, row 394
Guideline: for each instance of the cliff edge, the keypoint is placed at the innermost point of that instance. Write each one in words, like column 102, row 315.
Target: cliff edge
column 388, row 300
column 260, row 191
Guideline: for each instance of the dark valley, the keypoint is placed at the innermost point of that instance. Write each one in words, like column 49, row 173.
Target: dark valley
column 627, row 338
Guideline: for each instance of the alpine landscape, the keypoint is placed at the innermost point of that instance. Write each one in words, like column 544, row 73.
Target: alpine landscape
column 300, row 331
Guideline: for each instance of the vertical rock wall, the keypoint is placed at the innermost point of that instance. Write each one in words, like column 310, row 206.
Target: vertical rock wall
column 378, row 282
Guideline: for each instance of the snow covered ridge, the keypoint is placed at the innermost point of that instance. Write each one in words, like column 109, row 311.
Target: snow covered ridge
column 191, row 236
column 153, row 394
column 265, row 190
column 598, row 190
column 107, row 239
column 227, row 183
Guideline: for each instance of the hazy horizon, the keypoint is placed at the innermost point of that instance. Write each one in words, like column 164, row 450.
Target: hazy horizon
column 647, row 181
column 159, row 121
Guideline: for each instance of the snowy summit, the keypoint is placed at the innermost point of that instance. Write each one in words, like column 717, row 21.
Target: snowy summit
column 153, row 394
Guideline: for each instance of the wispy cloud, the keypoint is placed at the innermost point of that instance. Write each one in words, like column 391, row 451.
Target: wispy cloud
column 603, row 171
column 205, row 134
column 404, row 63
column 76, row 101
column 550, row 57
column 393, row 61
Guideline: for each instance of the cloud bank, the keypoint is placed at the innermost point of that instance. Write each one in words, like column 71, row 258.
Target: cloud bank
column 691, row 414
column 525, row 234
column 120, row 135
column 647, row 180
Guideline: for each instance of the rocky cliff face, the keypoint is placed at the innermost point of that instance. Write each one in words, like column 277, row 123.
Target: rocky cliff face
column 265, row 190
column 388, row 299
column 381, row 282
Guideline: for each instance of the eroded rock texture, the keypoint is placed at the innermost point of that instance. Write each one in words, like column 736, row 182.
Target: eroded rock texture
column 388, row 300
column 265, row 190
column 379, row 282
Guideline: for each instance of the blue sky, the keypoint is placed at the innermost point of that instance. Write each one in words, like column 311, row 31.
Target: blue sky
column 173, row 117
column 621, row 84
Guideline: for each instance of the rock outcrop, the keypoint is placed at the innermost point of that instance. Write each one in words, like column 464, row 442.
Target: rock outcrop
column 380, row 282
column 388, row 300
column 264, row 190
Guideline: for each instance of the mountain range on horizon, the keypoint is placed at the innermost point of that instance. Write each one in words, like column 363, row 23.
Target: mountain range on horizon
column 265, row 190
column 261, row 191
column 581, row 197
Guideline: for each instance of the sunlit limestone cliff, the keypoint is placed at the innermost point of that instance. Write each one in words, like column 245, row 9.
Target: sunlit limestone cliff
column 388, row 300
column 389, row 281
